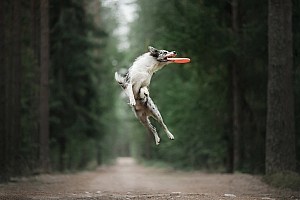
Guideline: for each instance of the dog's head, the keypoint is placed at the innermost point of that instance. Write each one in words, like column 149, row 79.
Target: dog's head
column 161, row 55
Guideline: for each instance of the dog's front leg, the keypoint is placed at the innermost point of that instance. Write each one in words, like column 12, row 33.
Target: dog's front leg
column 130, row 94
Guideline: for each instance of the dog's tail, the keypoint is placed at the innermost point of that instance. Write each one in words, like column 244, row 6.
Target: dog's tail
column 120, row 79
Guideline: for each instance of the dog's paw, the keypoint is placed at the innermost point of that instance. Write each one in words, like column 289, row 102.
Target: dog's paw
column 145, row 91
column 132, row 102
column 157, row 140
column 171, row 136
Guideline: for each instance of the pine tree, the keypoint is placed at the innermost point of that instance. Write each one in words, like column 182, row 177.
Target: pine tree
column 44, row 154
column 280, row 138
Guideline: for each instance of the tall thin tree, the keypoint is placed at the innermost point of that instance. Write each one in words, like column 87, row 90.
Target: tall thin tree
column 44, row 87
column 236, row 91
column 16, row 84
column 3, row 174
column 280, row 138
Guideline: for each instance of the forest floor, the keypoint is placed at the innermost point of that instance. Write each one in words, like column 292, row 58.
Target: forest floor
column 128, row 180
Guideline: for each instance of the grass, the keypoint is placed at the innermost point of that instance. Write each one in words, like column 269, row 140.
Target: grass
column 284, row 180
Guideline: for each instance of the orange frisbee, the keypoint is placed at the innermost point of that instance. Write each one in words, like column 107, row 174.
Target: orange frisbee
column 179, row 60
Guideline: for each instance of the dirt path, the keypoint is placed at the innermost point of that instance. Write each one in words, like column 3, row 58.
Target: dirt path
column 127, row 180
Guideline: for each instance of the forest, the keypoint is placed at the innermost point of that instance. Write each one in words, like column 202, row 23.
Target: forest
column 234, row 108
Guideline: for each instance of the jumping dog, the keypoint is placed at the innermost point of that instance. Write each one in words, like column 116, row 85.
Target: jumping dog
column 135, row 83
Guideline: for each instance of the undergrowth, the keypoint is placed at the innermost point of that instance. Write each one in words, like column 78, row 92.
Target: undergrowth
column 284, row 180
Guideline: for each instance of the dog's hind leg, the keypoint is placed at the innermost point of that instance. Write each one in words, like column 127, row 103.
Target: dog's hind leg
column 141, row 112
column 153, row 131
column 146, row 122
column 156, row 115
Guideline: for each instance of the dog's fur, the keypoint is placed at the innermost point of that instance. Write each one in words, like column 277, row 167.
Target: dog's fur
column 136, row 82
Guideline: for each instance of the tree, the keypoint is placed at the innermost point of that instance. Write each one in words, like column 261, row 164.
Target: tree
column 14, row 89
column 10, row 85
column 280, row 135
column 2, row 97
column 234, row 70
column 44, row 88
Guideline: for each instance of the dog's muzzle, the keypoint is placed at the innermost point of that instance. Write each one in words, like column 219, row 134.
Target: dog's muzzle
column 171, row 54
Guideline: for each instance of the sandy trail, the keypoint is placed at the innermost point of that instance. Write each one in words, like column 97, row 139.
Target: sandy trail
column 128, row 180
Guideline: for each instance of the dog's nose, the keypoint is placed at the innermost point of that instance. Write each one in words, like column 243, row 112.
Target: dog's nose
column 174, row 52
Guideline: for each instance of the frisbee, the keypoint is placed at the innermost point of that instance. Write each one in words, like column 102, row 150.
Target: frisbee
column 179, row 60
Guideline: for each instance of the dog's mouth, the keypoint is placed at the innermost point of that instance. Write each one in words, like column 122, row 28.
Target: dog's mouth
column 166, row 56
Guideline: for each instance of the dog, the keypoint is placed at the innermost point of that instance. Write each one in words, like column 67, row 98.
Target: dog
column 135, row 82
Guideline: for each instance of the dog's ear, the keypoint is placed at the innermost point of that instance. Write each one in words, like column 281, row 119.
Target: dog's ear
column 153, row 52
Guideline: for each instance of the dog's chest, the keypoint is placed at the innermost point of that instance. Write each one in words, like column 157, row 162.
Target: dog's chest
column 142, row 70
column 142, row 77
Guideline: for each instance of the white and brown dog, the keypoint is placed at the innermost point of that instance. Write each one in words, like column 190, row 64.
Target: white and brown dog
column 136, row 82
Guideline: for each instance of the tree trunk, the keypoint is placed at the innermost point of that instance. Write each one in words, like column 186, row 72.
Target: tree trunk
column 16, row 81
column 236, row 93
column 10, row 105
column 280, row 135
column 35, row 28
column 35, row 81
column 3, row 173
column 236, row 117
column 44, row 88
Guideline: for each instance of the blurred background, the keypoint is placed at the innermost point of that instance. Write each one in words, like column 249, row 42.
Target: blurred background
column 61, row 109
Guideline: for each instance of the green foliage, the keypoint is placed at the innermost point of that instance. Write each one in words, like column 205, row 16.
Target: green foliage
column 183, row 92
column 189, row 117
column 194, row 98
column 76, row 92
column 29, row 105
